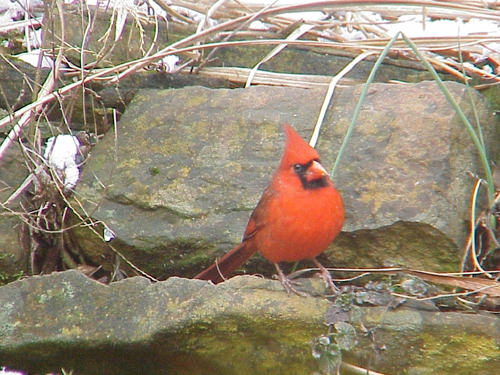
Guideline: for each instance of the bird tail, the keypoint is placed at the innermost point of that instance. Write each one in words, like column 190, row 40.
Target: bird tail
column 230, row 262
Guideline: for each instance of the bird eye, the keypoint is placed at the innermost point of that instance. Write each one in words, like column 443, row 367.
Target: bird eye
column 297, row 168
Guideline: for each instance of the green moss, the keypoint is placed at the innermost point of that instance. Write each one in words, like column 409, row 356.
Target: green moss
column 271, row 349
column 6, row 277
column 458, row 354
column 492, row 93
column 412, row 245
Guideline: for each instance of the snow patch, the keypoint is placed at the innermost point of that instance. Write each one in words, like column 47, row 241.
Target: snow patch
column 61, row 154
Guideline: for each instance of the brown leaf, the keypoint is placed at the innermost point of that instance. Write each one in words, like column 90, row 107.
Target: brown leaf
column 486, row 286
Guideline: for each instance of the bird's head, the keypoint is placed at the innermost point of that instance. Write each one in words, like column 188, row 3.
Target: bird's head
column 300, row 162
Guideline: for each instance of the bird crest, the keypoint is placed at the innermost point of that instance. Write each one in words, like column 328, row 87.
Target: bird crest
column 297, row 151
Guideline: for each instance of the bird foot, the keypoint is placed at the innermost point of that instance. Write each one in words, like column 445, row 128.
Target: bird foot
column 327, row 277
column 289, row 287
column 329, row 282
column 287, row 283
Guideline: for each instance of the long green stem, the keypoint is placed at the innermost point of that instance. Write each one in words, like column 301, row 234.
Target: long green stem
column 360, row 102
column 468, row 127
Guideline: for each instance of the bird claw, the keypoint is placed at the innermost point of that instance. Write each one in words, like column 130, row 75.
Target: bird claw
column 289, row 286
column 327, row 277
column 287, row 283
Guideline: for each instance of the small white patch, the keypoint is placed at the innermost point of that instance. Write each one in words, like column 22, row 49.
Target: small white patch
column 169, row 62
column 61, row 154
column 306, row 16
column 4, row 371
column 258, row 26
column 33, row 57
column 108, row 234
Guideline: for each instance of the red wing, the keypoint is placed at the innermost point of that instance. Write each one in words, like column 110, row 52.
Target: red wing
column 259, row 215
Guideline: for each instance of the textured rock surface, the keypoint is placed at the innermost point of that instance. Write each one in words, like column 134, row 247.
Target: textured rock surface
column 12, row 173
column 190, row 164
column 247, row 325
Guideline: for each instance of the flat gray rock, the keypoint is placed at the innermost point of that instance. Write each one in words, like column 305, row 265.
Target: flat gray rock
column 247, row 325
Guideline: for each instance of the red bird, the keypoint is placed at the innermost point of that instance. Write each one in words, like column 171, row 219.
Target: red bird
column 297, row 217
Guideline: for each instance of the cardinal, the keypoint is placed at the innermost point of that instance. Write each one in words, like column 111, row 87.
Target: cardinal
column 298, row 216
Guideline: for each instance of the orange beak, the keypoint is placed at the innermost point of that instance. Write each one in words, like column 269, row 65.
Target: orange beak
column 315, row 172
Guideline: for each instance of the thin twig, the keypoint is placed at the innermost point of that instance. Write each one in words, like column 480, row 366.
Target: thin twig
column 329, row 94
